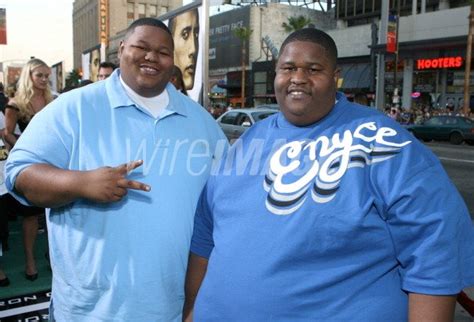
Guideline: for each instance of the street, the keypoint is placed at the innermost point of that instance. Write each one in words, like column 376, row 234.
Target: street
column 458, row 161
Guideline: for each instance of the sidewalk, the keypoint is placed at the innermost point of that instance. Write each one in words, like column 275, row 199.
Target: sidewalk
column 12, row 262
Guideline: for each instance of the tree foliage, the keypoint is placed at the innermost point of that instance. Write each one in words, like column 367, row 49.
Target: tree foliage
column 73, row 78
column 296, row 23
column 243, row 33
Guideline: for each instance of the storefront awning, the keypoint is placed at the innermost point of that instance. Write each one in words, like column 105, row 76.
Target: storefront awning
column 354, row 76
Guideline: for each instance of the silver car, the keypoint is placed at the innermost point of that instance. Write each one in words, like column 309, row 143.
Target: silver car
column 235, row 122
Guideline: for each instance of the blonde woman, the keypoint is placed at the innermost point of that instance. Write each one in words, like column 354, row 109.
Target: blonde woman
column 33, row 93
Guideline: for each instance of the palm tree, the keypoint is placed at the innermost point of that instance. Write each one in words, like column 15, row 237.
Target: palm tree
column 243, row 33
column 73, row 78
column 296, row 23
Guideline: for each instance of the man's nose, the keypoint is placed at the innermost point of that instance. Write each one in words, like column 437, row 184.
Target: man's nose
column 151, row 56
column 300, row 75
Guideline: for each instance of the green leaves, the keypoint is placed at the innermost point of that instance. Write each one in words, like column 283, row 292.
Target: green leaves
column 295, row 23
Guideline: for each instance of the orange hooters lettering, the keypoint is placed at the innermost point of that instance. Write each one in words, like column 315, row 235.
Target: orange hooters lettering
column 437, row 63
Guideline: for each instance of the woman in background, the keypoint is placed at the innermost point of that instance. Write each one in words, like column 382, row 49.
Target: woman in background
column 33, row 93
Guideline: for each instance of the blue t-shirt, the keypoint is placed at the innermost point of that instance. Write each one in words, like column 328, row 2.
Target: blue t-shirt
column 336, row 221
column 122, row 261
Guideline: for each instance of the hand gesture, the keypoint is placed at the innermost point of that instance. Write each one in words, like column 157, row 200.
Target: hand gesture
column 110, row 184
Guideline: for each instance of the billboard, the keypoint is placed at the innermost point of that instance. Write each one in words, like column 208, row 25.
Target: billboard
column 90, row 63
column 3, row 26
column 57, row 77
column 225, row 48
column 188, row 36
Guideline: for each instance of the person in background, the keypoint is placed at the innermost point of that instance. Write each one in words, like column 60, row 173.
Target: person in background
column 3, row 98
column 32, row 95
column 177, row 80
column 105, row 70
column 4, row 281
column 344, row 216
column 121, row 164
column 185, row 31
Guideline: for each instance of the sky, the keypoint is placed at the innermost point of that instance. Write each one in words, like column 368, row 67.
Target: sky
column 40, row 28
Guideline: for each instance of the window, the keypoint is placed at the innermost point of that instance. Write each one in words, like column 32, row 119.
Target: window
column 141, row 10
column 434, row 121
column 451, row 121
column 163, row 10
column 152, row 10
column 241, row 118
column 230, row 118
column 130, row 12
column 258, row 116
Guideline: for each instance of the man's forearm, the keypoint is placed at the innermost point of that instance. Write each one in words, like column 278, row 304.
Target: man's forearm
column 430, row 308
column 47, row 186
column 197, row 267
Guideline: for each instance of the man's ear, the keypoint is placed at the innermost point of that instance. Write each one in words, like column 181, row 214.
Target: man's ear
column 337, row 74
column 120, row 49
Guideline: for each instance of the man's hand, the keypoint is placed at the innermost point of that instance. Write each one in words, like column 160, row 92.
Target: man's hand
column 50, row 187
column 108, row 184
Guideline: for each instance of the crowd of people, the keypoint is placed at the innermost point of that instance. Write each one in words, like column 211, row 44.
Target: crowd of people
column 337, row 215
column 420, row 113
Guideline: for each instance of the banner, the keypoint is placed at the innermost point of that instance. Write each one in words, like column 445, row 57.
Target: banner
column 392, row 34
column 57, row 77
column 3, row 26
column 91, row 59
column 85, row 65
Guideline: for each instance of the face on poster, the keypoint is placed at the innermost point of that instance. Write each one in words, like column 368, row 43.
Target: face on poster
column 94, row 64
column 188, row 39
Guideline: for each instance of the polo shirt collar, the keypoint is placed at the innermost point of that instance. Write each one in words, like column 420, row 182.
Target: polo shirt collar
column 119, row 98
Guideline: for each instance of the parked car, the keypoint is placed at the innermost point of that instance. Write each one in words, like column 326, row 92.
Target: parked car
column 235, row 122
column 454, row 129
column 269, row 106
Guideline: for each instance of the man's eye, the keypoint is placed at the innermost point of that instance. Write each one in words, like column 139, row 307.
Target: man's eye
column 287, row 69
column 185, row 34
column 165, row 53
column 138, row 47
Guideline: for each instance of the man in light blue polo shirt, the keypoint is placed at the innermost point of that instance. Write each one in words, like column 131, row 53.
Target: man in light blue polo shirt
column 121, row 164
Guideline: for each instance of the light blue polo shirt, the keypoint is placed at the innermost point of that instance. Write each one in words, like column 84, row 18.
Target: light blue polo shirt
column 122, row 261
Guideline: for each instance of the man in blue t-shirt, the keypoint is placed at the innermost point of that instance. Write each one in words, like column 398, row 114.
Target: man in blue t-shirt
column 328, row 211
column 121, row 163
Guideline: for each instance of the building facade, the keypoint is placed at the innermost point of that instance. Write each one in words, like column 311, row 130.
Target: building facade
column 430, row 67
column 94, row 20
column 432, row 39
column 261, row 49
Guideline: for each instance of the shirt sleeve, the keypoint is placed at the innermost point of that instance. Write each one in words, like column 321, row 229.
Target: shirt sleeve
column 202, row 242
column 46, row 140
column 429, row 224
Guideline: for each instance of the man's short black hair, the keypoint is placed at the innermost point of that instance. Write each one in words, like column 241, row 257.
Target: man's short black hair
column 153, row 22
column 316, row 36
column 107, row 64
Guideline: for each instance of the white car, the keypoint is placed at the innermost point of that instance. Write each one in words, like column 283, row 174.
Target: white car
column 237, row 121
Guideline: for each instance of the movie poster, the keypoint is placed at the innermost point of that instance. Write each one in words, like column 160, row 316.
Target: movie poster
column 57, row 77
column 90, row 63
column 188, row 36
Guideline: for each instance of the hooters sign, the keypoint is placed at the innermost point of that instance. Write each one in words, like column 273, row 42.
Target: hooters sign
column 439, row 63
